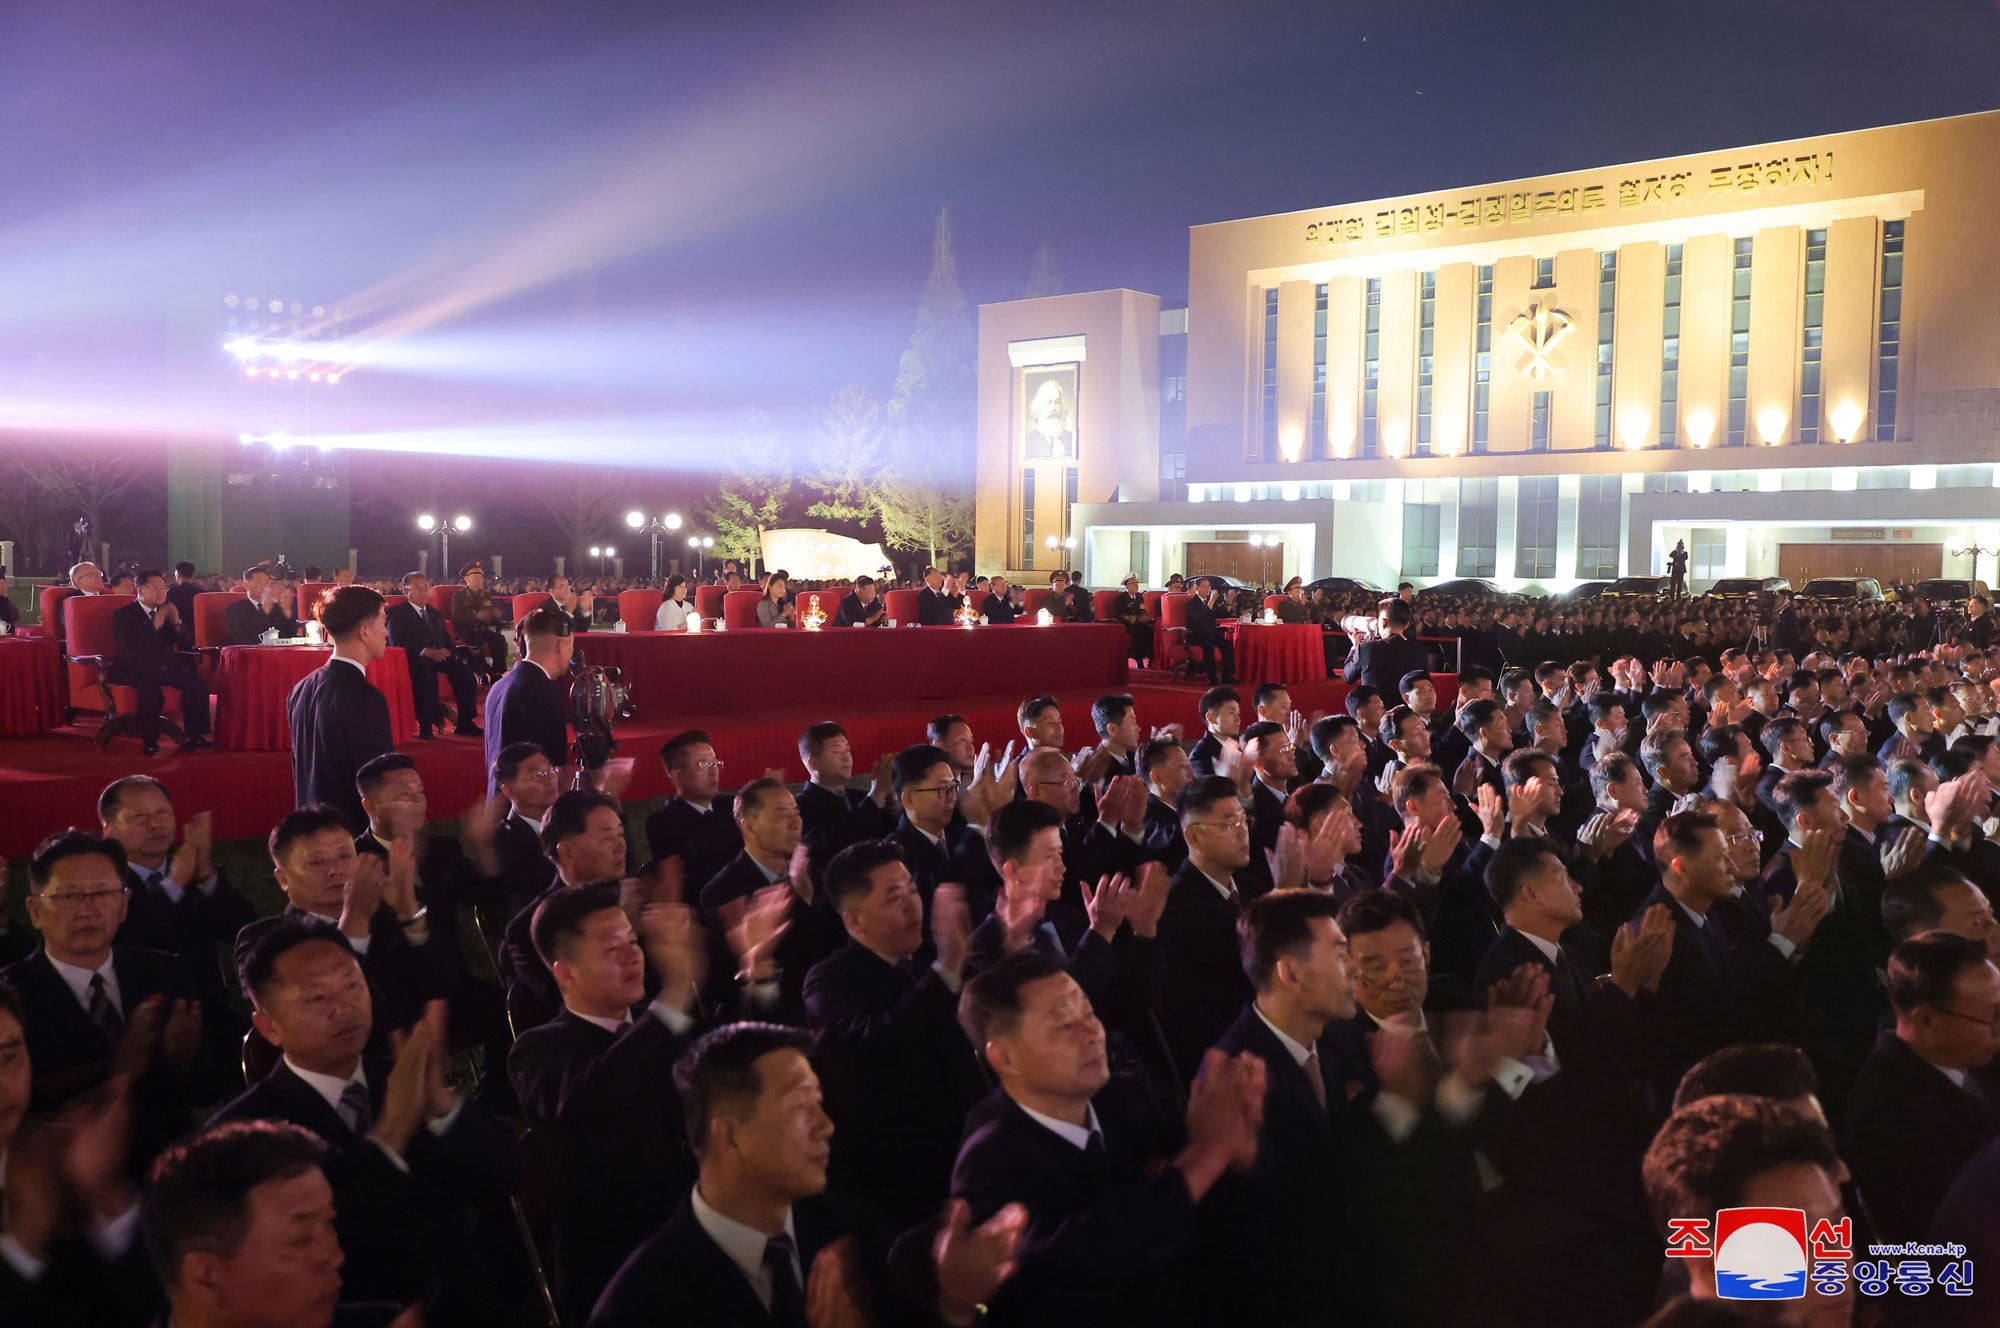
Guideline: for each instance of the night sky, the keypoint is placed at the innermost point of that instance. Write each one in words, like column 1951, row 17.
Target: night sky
column 647, row 217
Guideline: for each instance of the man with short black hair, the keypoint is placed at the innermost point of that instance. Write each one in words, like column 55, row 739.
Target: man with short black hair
column 1163, row 765
column 1222, row 718
column 936, row 606
column 149, row 659
column 698, row 824
column 1922, row 1105
column 831, row 814
column 861, row 606
column 529, row 704
column 1383, row 660
column 1197, row 943
column 1773, row 1070
column 339, row 720
column 265, row 606
column 1204, row 634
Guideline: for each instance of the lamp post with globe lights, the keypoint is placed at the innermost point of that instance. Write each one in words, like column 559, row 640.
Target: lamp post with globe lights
column 653, row 528
column 701, row 544
column 431, row 524
column 601, row 552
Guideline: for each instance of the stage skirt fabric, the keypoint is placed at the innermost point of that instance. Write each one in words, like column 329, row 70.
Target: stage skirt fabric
column 251, row 689
column 31, row 684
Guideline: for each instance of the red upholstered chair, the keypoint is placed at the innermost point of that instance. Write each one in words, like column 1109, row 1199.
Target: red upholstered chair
column 52, row 596
column 391, row 601
column 1032, row 600
column 309, row 593
column 1272, row 602
column 640, row 609
column 902, row 606
column 211, row 618
column 1152, row 599
column 1102, row 602
column 92, row 642
column 528, row 603
column 739, row 608
column 1170, row 650
column 708, row 601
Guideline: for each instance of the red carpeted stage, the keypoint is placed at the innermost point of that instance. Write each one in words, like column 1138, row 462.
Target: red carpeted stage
column 53, row 780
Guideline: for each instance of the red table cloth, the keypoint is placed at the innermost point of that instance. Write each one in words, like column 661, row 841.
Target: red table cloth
column 745, row 671
column 1279, row 652
column 32, row 684
column 251, row 689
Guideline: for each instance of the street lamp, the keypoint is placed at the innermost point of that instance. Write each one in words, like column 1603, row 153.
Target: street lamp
column 430, row 524
column 653, row 528
column 601, row 552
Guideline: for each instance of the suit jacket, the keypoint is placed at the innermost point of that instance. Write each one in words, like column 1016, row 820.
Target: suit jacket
column 899, row 1077
column 833, row 820
column 1202, row 983
column 526, row 706
column 681, row 1277
column 1382, row 664
column 998, row 609
column 71, row 1054
column 1909, row 1131
column 1203, row 755
column 143, row 649
column 812, row 932
column 704, row 841
column 247, row 623
column 935, row 608
column 624, row 1157
column 1164, row 840
column 547, row 1060
column 852, row 610
column 1106, row 1239
column 401, row 1230
column 402, row 977
column 339, row 723
column 1202, row 628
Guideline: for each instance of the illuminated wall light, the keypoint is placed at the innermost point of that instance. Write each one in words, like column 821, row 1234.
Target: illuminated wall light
column 1632, row 427
column 1395, row 437
column 1771, row 423
column 1289, row 492
column 1291, row 442
column 1242, row 493
column 1447, row 436
column 1923, row 477
column 1844, row 478
column 1700, row 426
column 1197, row 492
column 1343, row 440
column 1846, row 418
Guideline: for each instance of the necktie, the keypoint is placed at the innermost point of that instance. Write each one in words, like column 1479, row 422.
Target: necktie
column 102, row 1012
column 355, row 1108
column 788, row 1300
column 1315, row 1078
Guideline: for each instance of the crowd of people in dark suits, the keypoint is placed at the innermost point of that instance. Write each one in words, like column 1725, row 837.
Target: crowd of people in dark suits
column 1432, row 1011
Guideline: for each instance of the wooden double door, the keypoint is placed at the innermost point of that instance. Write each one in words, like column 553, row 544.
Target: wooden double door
column 1800, row 563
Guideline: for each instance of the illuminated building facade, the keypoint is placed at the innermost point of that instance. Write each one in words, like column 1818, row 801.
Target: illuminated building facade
column 1787, row 356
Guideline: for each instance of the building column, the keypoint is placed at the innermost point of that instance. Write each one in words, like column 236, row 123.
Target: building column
column 1568, row 490
column 1507, row 508
column 194, row 505
column 1447, row 528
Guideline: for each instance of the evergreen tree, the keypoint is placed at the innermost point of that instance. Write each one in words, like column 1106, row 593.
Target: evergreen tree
column 924, row 497
column 848, row 455
column 754, row 498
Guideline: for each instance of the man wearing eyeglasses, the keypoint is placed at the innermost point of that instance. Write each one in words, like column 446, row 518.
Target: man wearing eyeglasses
column 698, row 824
column 926, row 787
column 1924, row 1101
column 88, row 1002
column 1197, row 937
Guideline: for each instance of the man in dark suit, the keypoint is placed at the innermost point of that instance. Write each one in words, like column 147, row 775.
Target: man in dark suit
column 831, row 814
column 1205, row 635
column 583, row 840
column 578, row 608
column 936, row 607
column 1163, row 764
column 149, row 659
column 371, row 901
column 527, row 704
column 407, row 1156
column 698, row 824
column 418, row 630
column 1114, row 1190
column 861, row 606
column 768, row 816
column 181, row 595
column 266, row 605
column 898, row 1072
column 1923, row 1104
column 1222, row 717
column 1488, row 738
column 1202, row 981
column 937, row 847
column 90, row 1006
column 1384, row 661
column 339, row 720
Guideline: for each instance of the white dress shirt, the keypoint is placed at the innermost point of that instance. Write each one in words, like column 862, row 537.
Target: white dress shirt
column 1077, row 1135
column 78, row 981
column 744, row 1245
column 673, row 615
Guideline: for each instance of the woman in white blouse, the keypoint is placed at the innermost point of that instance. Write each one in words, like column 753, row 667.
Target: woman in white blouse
column 674, row 609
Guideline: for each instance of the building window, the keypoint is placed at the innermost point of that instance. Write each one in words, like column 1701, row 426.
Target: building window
column 1708, row 553
column 1739, row 344
column 1538, row 424
column 1027, row 518
column 1535, row 526
column 1607, row 322
column 1069, row 488
column 1545, row 273
column 1426, row 346
column 1482, row 359
column 1317, row 449
column 1371, row 367
column 1813, row 321
column 1599, row 525
column 1174, row 388
column 1478, row 526
column 1889, row 351
column 1173, row 465
column 1420, row 539
column 1269, row 450
column 1670, row 352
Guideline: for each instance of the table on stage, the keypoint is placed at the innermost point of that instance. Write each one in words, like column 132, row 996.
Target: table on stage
column 1279, row 652
column 251, row 688
column 33, row 686
column 745, row 670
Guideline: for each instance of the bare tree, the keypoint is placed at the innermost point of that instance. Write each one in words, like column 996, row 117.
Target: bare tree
column 84, row 481
column 25, row 517
column 583, row 503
